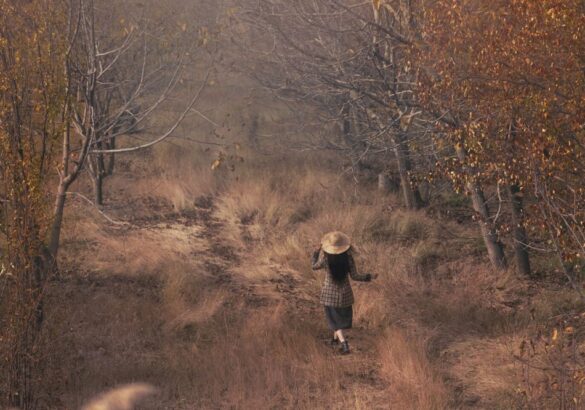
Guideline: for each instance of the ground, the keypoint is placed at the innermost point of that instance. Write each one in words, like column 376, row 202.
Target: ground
column 117, row 328
column 202, row 288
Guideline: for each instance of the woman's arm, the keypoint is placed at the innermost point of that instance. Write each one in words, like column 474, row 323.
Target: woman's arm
column 318, row 260
column 366, row 277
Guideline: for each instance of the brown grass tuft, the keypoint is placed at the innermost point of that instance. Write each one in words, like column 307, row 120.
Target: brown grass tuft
column 264, row 360
column 414, row 380
column 241, row 331
column 487, row 370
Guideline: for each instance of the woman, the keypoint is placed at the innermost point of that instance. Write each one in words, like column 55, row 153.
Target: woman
column 336, row 294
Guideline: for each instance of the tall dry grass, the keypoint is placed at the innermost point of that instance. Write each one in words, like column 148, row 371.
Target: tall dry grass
column 186, row 172
column 284, row 218
column 140, row 252
column 485, row 366
column 431, row 282
column 415, row 382
column 437, row 327
column 266, row 361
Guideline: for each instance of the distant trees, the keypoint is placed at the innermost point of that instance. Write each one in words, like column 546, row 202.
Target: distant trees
column 491, row 92
column 115, row 82
column 334, row 55
column 121, row 76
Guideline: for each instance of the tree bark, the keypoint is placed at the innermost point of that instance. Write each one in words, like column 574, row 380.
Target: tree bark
column 111, row 159
column 20, row 374
column 346, row 124
column 97, row 170
column 58, row 210
column 98, row 189
column 490, row 236
column 488, row 233
column 412, row 198
column 519, row 232
column 385, row 184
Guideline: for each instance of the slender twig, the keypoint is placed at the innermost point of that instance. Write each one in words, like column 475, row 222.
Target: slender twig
column 102, row 213
column 169, row 131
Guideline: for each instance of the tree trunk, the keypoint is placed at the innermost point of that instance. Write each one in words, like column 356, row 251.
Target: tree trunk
column 412, row 198
column 384, row 184
column 346, row 124
column 111, row 158
column 517, row 212
column 354, row 114
column 97, row 170
column 488, row 232
column 20, row 374
column 355, row 135
column 59, row 209
column 98, row 189
column 22, row 314
column 519, row 232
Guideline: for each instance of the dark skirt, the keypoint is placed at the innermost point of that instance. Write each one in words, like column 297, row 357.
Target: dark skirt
column 339, row 317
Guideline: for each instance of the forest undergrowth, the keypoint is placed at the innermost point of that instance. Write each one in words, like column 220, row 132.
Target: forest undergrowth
column 202, row 288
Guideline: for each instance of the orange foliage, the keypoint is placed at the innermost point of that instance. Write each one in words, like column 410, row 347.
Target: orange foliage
column 507, row 77
column 32, row 98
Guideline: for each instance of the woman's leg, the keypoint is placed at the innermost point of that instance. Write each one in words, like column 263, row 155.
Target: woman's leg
column 344, row 344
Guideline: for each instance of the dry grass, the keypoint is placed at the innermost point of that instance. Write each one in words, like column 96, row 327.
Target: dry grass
column 183, row 176
column 131, row 252
column 437, row 327
column 186, row 300
column 270, row 361
column 416, row 383
column 162, row 302
column 484, row 366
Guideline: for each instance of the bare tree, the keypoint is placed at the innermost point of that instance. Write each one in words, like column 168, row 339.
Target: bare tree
column 115, row 91
column 354, row 61
column 346, row 59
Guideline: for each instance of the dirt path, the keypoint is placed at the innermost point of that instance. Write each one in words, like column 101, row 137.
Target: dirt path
column 125, row 322
column 358, row 370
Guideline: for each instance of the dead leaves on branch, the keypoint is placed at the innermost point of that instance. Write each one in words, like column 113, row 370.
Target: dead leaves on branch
column 509, row 76
column 553, row 364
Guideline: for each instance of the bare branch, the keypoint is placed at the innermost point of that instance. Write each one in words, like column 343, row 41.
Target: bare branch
column 169, row 131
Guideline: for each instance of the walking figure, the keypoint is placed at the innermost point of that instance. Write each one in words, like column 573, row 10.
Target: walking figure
column 336, row 294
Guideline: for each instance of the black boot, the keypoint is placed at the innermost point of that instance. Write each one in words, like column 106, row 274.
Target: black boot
column 344, row 347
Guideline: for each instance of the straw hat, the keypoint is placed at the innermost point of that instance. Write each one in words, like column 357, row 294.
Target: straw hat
column 335, row 243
